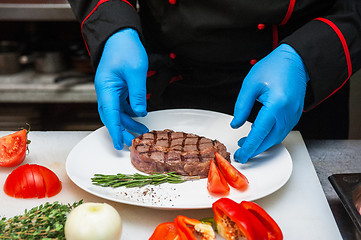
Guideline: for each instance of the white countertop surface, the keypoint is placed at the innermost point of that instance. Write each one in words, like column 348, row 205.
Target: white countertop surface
column 299, row 207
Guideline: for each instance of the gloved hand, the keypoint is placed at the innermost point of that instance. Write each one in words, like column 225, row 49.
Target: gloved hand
column 122, row 71
column 279, row 82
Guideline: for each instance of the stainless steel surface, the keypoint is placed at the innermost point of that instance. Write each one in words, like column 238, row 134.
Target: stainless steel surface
column 36, row 10
column 333, row 157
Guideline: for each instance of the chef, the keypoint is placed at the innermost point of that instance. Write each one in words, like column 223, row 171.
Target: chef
column 272, row 60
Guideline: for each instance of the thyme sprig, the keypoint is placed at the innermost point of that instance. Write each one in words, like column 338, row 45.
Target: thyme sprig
column 138, row 180
column 42, row 222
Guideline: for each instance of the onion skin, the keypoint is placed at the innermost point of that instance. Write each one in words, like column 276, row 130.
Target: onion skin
column 93, row 221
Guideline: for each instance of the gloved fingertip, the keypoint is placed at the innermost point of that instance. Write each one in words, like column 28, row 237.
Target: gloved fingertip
column 244, row 160
column 144, row 130
column 237, row 159
column 142, row 114
column 118, row 146
column 128, row 138
column 241, row 141
column 234, row 124
column 116, row 136
column 239, row 156
column 140, row 110
column 128, row 143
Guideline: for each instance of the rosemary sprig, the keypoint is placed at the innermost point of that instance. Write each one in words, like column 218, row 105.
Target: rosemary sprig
column 138, row 180
column 42, row 222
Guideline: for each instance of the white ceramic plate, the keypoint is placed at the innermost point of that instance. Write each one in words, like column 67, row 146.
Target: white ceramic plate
column 95, row 154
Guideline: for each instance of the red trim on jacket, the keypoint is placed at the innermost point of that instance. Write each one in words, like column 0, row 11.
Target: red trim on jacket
column 176, row 78
column 95, row 8
column 291, row 6
column 343, row 41
column 345, row 48
column 151, row 73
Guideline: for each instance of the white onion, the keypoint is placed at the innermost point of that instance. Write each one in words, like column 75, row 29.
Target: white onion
column 93, row 221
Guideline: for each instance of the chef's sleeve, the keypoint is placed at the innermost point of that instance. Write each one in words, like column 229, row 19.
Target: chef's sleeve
column 330, row 47
column 101, row 19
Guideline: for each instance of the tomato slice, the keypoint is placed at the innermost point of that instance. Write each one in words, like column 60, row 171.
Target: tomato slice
column 29, row 181
column 51, row 181
column 231, row 174
column 38, row 181
column 11, row 186
column 13, row 149
column 216, row 183
column 165, row 231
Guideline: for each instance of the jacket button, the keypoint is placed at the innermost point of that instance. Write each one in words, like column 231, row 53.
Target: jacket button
column 172, row 55
column 261, row 26
column 253, row 62
column 172, row 2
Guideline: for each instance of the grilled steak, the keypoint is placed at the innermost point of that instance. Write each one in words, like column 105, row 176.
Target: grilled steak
column 168, row 151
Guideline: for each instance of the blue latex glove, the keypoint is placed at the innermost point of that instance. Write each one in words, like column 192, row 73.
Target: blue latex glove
column 279, row 82
column 122, row 71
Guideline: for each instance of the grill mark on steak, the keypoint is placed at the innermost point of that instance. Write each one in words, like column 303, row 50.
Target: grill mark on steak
column 198, row 150
column 168, row 151
column 183, row 143
column 155, row 138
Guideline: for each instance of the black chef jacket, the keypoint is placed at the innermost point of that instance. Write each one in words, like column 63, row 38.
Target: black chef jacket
column 200, row 50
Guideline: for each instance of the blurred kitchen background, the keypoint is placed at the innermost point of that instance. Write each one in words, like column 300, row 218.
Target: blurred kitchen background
column 46, row 76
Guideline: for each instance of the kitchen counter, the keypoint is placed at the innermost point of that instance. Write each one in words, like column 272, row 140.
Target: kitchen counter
column 333, row 157
column 300, row 207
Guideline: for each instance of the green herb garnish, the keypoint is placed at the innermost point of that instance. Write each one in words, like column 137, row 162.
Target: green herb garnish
column 138, row 180
column 42, row 222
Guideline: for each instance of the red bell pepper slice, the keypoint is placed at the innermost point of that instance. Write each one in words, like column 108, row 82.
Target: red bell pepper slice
column 274, row 231
column 185, row 232
column 231, row 174
column 165, row 231
column 234, row 221
column 216, row 183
